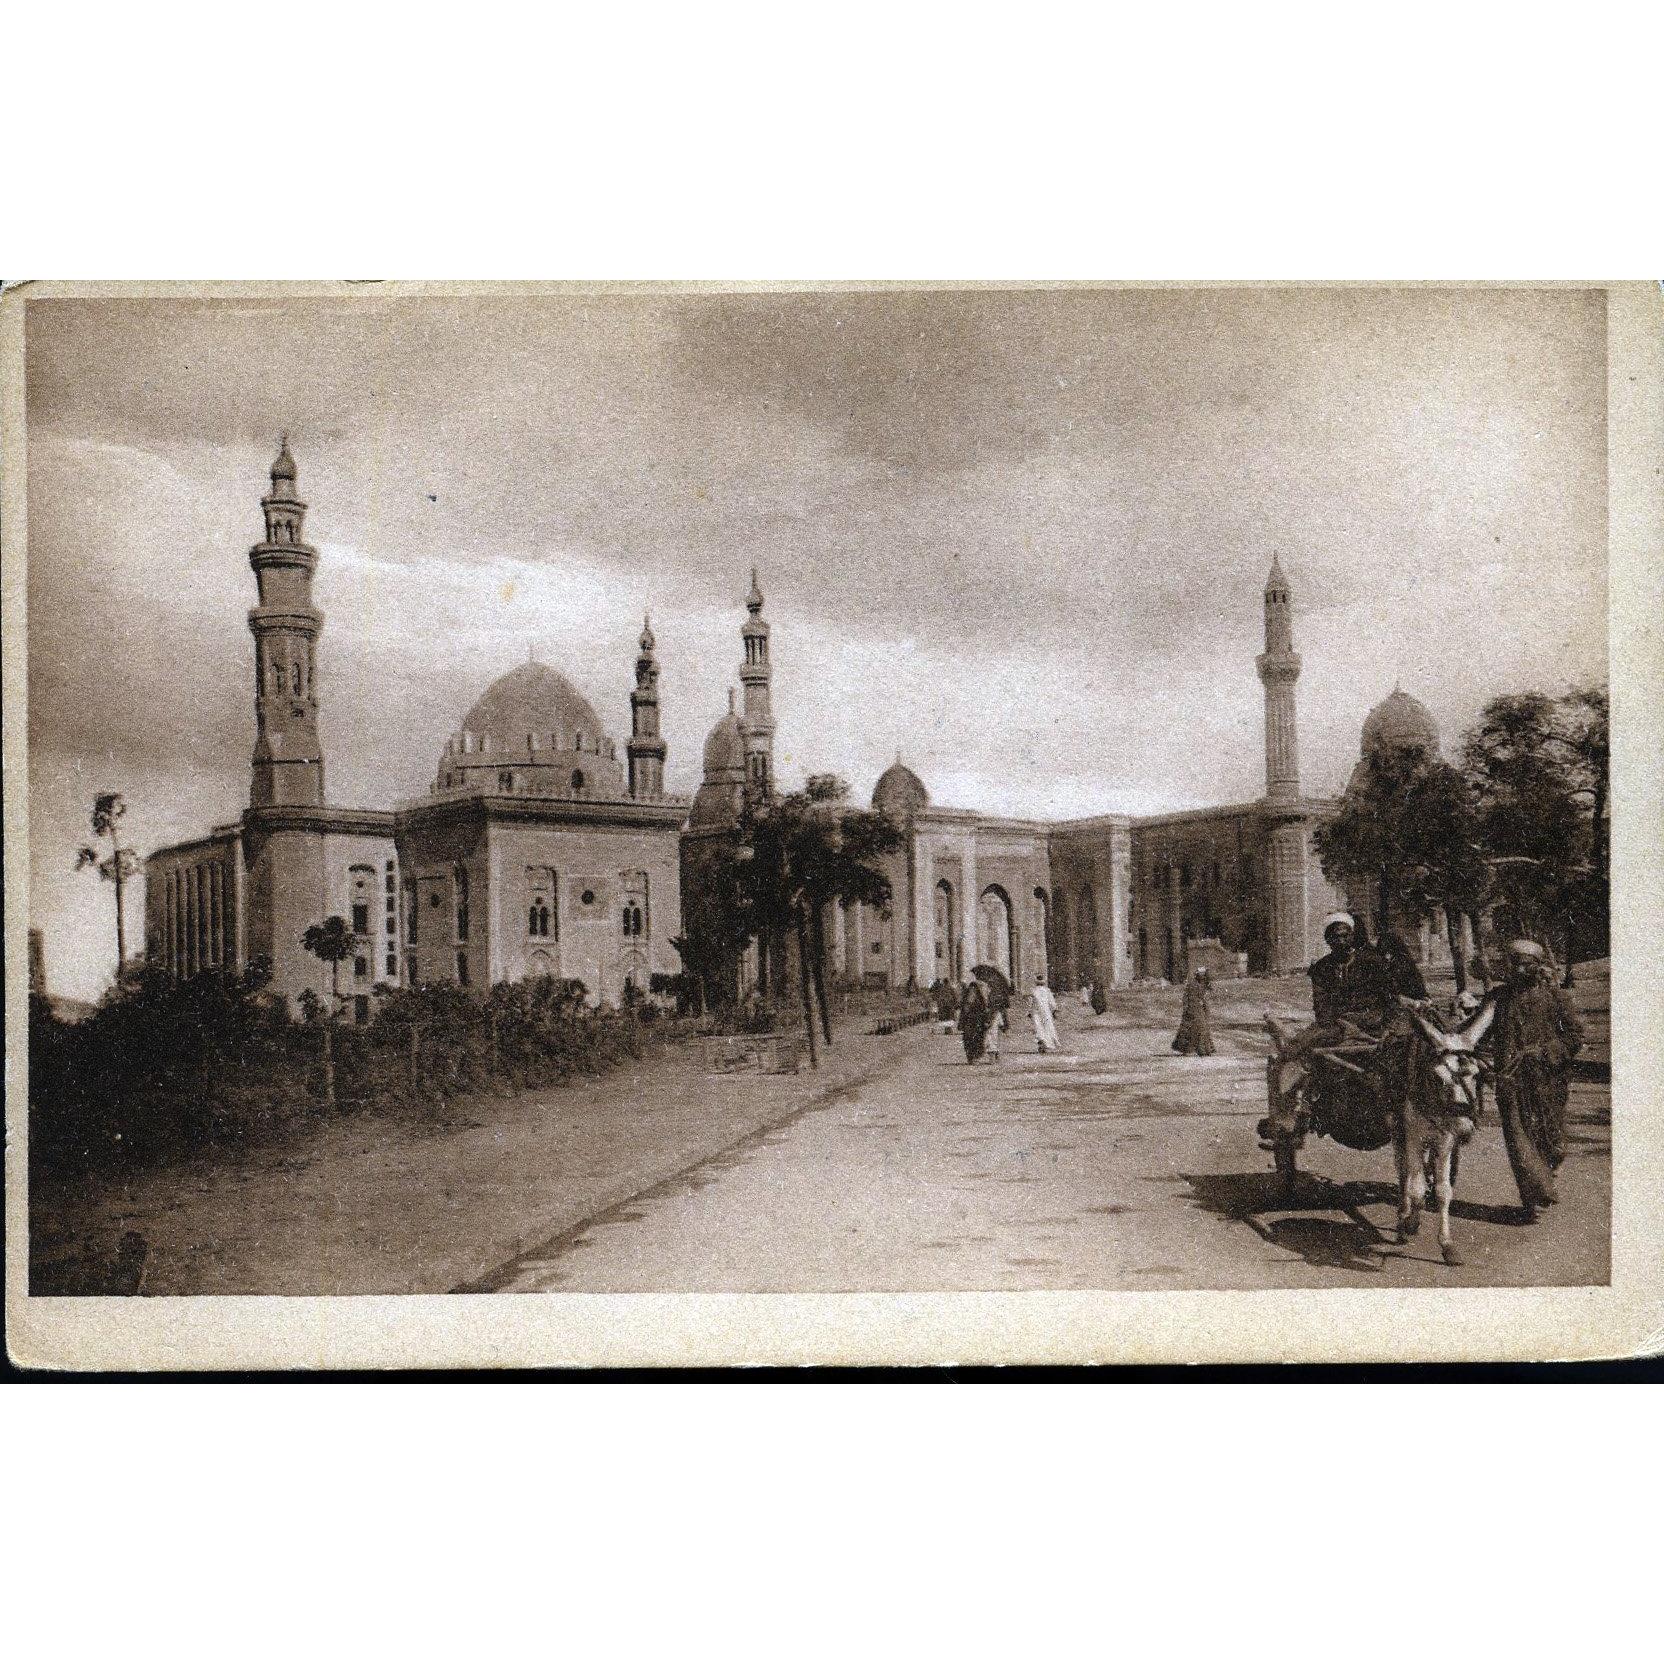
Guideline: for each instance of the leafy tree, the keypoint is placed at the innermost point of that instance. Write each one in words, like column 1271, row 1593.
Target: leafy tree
column 1407, row 823
column 331, row 942
column 1539, row 771
column 115, row 868
column 802, row 853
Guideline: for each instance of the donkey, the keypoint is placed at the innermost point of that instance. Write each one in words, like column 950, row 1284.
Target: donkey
column 1438, row 1111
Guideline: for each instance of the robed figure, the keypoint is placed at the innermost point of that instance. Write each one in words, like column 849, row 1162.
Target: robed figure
column 975, row 1014
column 1537, row 1032
column 1195, row 1036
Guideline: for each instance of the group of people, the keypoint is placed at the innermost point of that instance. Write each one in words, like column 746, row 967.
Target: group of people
column 1534, row 1035
column 983, row 1011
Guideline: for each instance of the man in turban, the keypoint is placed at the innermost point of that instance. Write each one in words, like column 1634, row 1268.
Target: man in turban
column 1349, row 985
column 1536, row 1033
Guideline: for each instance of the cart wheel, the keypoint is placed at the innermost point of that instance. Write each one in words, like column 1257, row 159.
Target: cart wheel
column 1287, row 1171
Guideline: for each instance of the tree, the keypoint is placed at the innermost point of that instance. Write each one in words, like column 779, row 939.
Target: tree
column 331, row 942
column 800, row 854
column 116, row 867
column 1407, row 822
column 1539, row 771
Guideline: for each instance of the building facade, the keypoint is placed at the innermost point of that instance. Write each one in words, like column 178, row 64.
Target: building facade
column 538, row 851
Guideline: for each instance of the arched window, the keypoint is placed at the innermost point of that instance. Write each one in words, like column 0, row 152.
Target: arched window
column 362, row 885
column 633, row 918
column 947, row 936
column 541, row 918
column 995, row 944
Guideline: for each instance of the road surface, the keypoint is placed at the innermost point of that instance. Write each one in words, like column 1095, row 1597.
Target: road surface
column 1115, row 1165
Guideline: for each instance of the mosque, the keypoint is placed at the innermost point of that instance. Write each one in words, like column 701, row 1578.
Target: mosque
column 539, row 851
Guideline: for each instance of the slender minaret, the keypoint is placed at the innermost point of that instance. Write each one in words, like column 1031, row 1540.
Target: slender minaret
column 1279, row 668
column 646, row 749
column 288, row 765
column 758, row 720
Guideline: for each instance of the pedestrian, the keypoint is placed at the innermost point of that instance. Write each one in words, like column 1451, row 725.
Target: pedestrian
column 1100, row 1000
column 1086, row 996
column 1536, row 1032
column 1042, row 1010
column 974, row 1016
column 999, row 999
column 1195, row 1036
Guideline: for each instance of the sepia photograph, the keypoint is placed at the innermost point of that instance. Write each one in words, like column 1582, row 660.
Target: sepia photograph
column 812, row 790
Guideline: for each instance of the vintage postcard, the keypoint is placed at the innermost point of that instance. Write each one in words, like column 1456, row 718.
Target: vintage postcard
column 668, row 825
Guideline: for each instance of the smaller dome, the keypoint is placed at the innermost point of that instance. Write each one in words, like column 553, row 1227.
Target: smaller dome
column 725, row 750
column 899, row 792
column 1400, row 720
column 284, row 467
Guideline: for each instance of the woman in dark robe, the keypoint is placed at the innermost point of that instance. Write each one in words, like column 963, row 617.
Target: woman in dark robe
column 974, row 1016
column 1537, row 1032
column 1195, row 1036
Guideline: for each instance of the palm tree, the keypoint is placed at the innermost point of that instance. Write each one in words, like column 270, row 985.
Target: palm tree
column 331, row 942
column 116, row 867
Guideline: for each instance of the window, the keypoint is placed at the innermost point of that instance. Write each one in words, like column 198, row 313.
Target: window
column 361, row 1008
column 459, row 879
column 462, row 970
column 392, row 964
column 577, row 779
column 632, row 919
column 361, row 918
column 361, row 966
column 541, row 919
column 412, row 913
column 505, row 779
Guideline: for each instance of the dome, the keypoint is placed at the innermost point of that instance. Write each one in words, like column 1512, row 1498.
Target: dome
column 532, row 733
column 899, row 792
column 1400, row 720
column 533, row 699
column 284, row 467
column 725, row 750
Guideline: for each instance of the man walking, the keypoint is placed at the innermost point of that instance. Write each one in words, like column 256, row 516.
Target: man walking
column 1042, row 1010
column 1537, row 1032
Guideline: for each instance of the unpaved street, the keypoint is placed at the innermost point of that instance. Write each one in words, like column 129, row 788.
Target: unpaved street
column 1114, row 1166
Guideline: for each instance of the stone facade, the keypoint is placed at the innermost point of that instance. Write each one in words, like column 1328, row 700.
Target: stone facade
column 537, row 851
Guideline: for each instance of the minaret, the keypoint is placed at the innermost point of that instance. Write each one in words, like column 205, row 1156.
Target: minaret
column 1289, row 846
column 288, row 760
column 758, row 720
column 646, row 749
column 1279, row 668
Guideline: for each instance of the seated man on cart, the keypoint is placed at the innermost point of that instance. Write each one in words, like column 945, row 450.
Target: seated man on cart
column 1353, row 989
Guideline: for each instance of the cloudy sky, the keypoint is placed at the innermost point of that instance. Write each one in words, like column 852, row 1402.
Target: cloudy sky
column 1019, row 536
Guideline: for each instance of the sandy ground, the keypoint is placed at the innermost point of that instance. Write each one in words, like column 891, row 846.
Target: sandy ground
column 1115, row 1165
column 374, row 1205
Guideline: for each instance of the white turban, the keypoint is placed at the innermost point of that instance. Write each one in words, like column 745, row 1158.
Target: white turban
column 1527, row 949
column 1339, row 918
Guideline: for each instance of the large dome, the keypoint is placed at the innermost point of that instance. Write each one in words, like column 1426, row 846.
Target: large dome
column 532, row 699
column 1400, row 720
column 725, row 750
column 532, row 733
column 900, row 792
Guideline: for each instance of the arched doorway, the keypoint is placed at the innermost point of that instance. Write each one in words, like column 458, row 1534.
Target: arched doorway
column 1061, row 939
column 994, row 941
column 1086, row 936
column 1042, row 908
column 947, row 966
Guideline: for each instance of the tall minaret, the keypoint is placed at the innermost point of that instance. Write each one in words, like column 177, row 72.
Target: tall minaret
column 1279, row 668
column 646, row 749
column 288, row 760
column 758, row 720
